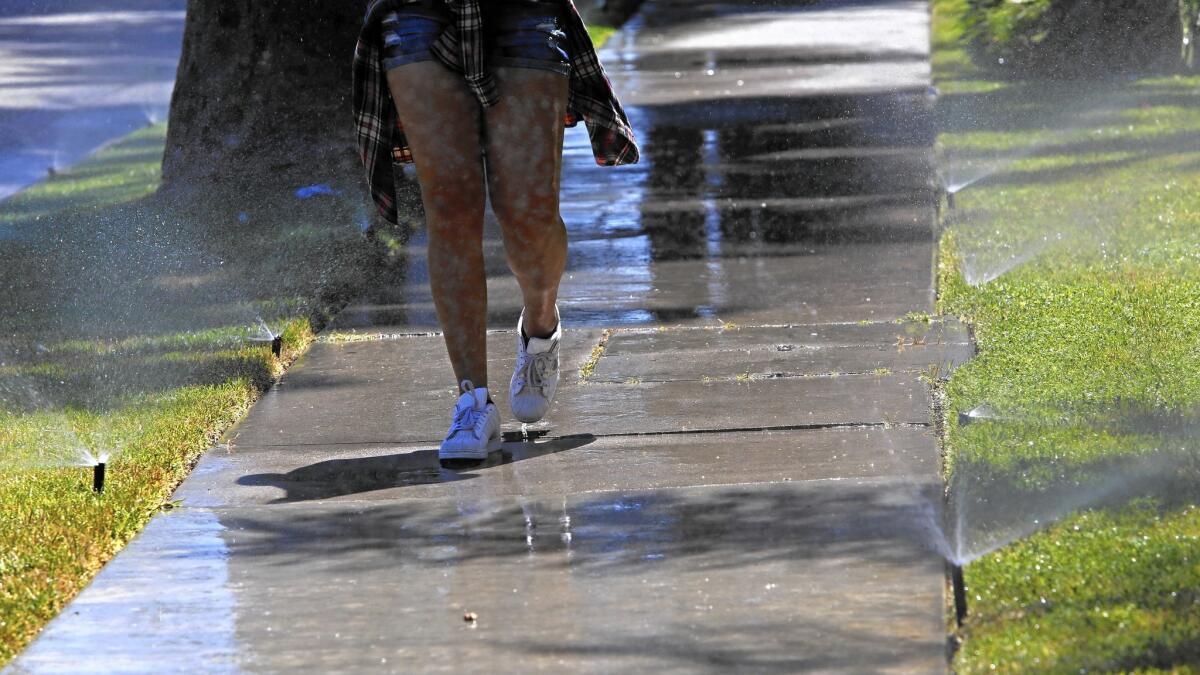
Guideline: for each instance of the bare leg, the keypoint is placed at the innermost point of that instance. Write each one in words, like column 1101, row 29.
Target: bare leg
column 441, row 121
column 524, row 143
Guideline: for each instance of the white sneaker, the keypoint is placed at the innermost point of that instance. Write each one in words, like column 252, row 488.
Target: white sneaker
column 536, row 378
column 475, row 431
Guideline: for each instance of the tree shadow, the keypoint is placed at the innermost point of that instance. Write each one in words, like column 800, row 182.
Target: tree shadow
column 716, row 528
column 833, row 169
column 91, row 51
column 621, row 559
column 994, row 501
column 1046, row 106
column 145, row 297
column 795, row 645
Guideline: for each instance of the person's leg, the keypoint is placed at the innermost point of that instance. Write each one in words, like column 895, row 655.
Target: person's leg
column 524, row 136
column 442, row 122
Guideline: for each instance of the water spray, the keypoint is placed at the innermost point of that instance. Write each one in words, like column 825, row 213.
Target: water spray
column 98, row 471
column 960, row 593
column 983, row 411
column 266, row 335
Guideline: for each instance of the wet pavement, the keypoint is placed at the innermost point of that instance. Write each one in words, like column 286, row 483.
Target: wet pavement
column 739, row 472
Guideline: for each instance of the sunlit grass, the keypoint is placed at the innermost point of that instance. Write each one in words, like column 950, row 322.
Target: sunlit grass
column 118, row 174
column 1107, row 591
column 56, row 532
column 600, row 34
column 1088, row 226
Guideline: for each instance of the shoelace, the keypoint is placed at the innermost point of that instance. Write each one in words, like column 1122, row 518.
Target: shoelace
column 462, row 418
column 466, row 418
column 535, row 369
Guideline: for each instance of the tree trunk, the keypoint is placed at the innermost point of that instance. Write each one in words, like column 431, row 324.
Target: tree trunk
column 262, row 96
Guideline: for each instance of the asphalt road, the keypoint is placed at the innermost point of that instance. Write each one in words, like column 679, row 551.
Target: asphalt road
column 75, row 75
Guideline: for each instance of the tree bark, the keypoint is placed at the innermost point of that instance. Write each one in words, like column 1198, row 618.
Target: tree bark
column 263, row 94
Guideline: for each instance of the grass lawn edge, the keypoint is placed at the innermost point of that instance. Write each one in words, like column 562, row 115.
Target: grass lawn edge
column 1077, row 341
column 182, row 426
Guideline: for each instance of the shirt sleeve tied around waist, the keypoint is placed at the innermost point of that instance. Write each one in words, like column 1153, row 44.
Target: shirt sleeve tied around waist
column 381, row 142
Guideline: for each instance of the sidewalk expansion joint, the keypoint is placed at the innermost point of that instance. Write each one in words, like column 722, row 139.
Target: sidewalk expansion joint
column 340, row 337
column 343, row 337
column 746, row 378
column 589, row 366
column 780, row 427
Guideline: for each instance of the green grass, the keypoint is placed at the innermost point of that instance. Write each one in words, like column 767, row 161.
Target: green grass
column 600, row 34
column 1084, row 242
column 1107, row 591
column 123, row 172
column 127, row 318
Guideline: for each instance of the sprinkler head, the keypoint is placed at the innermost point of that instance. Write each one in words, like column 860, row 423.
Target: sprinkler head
column 277, row 346
column 960, row 594
column 964, row 419
column 98, row 472
column 950, row 201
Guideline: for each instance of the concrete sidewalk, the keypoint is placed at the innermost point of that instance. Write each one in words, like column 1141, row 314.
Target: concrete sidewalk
column 739, row 472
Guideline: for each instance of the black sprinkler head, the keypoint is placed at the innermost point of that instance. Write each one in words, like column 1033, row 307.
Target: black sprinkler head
column 98, row 472
column 964, row 419
column 277, row 346
column 950, row 201
column 960, row 594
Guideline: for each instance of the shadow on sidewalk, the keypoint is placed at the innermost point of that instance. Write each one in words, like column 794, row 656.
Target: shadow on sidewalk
column 793, row 645
column 344, row 477
column 711, row 527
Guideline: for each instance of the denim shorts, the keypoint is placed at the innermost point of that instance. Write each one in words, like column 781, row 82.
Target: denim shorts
column 516, row 34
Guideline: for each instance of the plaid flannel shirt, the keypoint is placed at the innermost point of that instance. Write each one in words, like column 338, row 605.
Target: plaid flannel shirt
column 381, row 140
